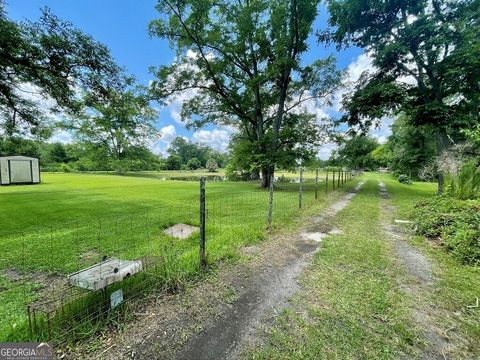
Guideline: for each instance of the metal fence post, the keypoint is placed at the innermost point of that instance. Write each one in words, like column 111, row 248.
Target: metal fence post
column 300, row 190
column 316, row 184
column 203, row 259
column 270, row 202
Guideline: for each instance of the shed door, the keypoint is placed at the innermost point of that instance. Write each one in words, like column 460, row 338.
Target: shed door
column 20, row 171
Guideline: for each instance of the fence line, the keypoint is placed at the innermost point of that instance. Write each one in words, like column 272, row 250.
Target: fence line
column 56, row 309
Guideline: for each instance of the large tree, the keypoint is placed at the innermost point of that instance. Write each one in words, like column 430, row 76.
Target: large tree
column 240, row 62
column 188, row 150
column 427, row 59
column 119, row 121
column 412, row 148
column 299, row 140
column 48, row 59
column 355, row 152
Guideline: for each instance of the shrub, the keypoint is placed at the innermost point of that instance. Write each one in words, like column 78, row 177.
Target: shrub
column 193, row 164
column 212, row 165
column 174, row 162
column 404, row 179
column 84, row 165
column 456, row 222
column 66, row 168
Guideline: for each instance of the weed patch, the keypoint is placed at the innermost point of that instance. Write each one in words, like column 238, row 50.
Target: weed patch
column 456, row 222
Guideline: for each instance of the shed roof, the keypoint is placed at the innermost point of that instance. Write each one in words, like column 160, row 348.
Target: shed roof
column 18, row 157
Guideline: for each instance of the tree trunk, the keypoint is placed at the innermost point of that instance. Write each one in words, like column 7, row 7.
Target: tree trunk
column 267, row 173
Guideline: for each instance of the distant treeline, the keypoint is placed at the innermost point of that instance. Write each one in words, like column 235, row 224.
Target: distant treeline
column 86, row 156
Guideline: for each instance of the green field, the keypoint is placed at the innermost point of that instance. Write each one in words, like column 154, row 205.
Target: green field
column 71, row 221
column 184, row 174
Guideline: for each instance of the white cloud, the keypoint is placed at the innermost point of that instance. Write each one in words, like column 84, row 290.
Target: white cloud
column 217, row 139
column 61, row 136
column 41, row 101
column 311, row 106
column 174, row 106
column 383, row 131
column 167, row 134
column 361, row 64
column 326, row 150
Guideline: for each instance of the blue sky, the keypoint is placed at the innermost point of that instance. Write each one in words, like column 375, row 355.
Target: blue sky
column 122, row 26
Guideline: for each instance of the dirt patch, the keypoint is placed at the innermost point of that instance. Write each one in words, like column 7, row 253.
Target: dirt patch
column 217, row 320
column 419, row 285
column 181, row 231
column 39, row 277
column 12, row 274
column 305, row 247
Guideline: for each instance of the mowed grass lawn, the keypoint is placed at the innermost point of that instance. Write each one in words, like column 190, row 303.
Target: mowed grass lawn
column 71, row 221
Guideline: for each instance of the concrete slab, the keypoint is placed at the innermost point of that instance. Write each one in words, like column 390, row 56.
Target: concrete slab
column 181, row 231
column 101, row 275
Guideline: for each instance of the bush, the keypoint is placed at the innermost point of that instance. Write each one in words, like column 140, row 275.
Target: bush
column 174, row 162
column 404, row 179
column 212, row 165
column 193, row 164
column 84, row 165
column 66, row 168
column 456, row 222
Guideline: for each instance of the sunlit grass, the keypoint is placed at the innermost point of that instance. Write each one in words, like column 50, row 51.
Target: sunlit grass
column 72, row 221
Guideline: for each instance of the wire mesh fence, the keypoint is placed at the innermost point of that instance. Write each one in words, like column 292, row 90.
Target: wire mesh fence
column 154, row 250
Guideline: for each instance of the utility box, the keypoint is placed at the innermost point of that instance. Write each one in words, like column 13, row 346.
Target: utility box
column 19, row 170
column 108, row 272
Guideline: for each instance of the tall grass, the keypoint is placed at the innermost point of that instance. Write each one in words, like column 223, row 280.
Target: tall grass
column 466, row 185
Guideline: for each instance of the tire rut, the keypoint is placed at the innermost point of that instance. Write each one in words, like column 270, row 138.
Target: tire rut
column 419, row 286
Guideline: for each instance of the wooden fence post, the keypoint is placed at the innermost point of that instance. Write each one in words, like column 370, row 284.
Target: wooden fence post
column 333, row 180
column 316, row 184
column 203, row 259
column 338, row 180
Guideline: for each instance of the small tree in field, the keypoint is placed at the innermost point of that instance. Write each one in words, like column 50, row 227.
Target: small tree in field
column 212, row 165
column 174, row 162
column 193, row 164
